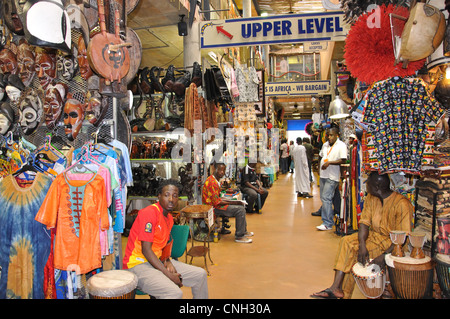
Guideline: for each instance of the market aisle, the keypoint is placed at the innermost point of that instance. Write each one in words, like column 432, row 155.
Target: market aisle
column 288, row 259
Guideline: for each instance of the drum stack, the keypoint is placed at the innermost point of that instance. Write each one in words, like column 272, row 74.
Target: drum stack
column 411, row 275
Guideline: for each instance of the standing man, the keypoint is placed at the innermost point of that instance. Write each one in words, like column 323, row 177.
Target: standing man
column 302, row 183
column 149, row 247
column 284, row 160
column 224, row 207
column 333, row 154
column 309, row 155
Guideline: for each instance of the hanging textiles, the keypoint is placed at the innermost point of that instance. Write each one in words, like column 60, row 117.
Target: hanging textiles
column 24, row 243
column 400, row 116
column 79, row 210
column 247, row 82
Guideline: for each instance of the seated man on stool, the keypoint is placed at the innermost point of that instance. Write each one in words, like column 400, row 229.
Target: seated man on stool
column 384, row 211
column 223, row 207
column 252, row 186
column 148, row 250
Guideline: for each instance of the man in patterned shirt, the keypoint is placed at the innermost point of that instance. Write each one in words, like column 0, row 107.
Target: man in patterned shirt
column 223, row 207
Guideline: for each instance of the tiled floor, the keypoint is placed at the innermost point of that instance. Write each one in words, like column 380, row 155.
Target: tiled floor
column 288, row 259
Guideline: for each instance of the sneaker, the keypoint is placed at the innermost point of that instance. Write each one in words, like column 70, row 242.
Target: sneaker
column 249, row 234
column 323, row 227
column 307, row 195
column 316, row 214
column 243, row 240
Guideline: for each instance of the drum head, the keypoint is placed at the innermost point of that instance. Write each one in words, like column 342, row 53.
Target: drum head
column 112, row 283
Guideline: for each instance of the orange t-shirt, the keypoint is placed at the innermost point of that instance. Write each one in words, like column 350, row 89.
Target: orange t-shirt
column 150, row 225
column 78, row 210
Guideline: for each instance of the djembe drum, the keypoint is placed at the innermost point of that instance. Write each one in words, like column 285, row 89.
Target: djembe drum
column 411, row 278
column 443, row 273
column 398, row 238
column 417, row 241
column 370, row 279
column 112, row 284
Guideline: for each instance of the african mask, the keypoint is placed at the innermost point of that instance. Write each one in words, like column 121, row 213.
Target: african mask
column 96, row 104
column 26, row 62
column 47, row 24
column 30, row 110
column 73, row 118
column 8, row 62
column 11, row 16
column 83, row 63
column 45, row 66
column 54, row 103
column 7, row 118
column 2, row 86
column 66, row 66
column 14, row 87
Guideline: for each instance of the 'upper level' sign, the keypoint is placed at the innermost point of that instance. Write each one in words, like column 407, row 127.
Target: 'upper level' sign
column 322, row 26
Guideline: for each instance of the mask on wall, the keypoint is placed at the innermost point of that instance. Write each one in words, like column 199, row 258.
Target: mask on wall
column 30, row 110
column 96, row 104
column 26, row 62
column 47, row 24
column 73, row 118
column 14, row 88
column 11, row 17
column 54, row 103
column 83, row 63
column 66, row 66
column 45, row 66
column 8, row 62
column 7, row 118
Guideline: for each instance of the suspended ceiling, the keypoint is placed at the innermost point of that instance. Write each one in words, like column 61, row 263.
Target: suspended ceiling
column 155, row 22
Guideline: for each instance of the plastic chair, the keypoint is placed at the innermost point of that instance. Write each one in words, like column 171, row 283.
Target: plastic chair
column 180, row 234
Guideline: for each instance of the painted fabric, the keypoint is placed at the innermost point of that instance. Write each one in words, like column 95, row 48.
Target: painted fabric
column 24, row 243
column 247, row 82
column 401, row 114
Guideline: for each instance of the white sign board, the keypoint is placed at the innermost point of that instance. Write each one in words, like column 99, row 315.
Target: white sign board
column 315, row 46
column 297, row 88
column 294, row 28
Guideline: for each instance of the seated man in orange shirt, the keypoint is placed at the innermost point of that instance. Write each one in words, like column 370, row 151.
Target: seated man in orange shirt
column 223, row 207
column 149, row 247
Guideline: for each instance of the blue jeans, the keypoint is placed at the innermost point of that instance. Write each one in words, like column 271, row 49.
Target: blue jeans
column 327, row 189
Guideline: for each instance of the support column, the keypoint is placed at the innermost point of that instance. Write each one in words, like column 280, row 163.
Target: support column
column 191, row 46
column 246, row 13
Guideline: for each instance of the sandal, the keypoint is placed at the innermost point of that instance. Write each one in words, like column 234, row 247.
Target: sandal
column 325, row 294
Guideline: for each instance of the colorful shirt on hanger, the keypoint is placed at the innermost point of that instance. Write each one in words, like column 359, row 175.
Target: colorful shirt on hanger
column 399, row 113
column 247, row 82
column 78, row 210
column 24, row 243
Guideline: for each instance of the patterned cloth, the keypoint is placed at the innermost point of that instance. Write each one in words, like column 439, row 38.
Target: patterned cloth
column 399, row 113
column 24, row 243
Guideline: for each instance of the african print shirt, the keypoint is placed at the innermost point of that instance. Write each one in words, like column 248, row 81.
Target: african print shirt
column 398, row 112
column 78, row 211
column 24, row 243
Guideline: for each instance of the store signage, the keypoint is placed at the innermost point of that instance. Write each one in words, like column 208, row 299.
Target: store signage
column 297, row 88
column 310, row 27
column 315, row 46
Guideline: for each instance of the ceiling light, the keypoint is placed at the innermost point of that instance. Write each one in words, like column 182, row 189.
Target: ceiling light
column 338, row 109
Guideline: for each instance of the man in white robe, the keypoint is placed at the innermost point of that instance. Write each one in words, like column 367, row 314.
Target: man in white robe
column 302, row 182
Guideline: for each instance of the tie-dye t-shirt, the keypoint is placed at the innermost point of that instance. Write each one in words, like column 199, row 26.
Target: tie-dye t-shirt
column 24, row 242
